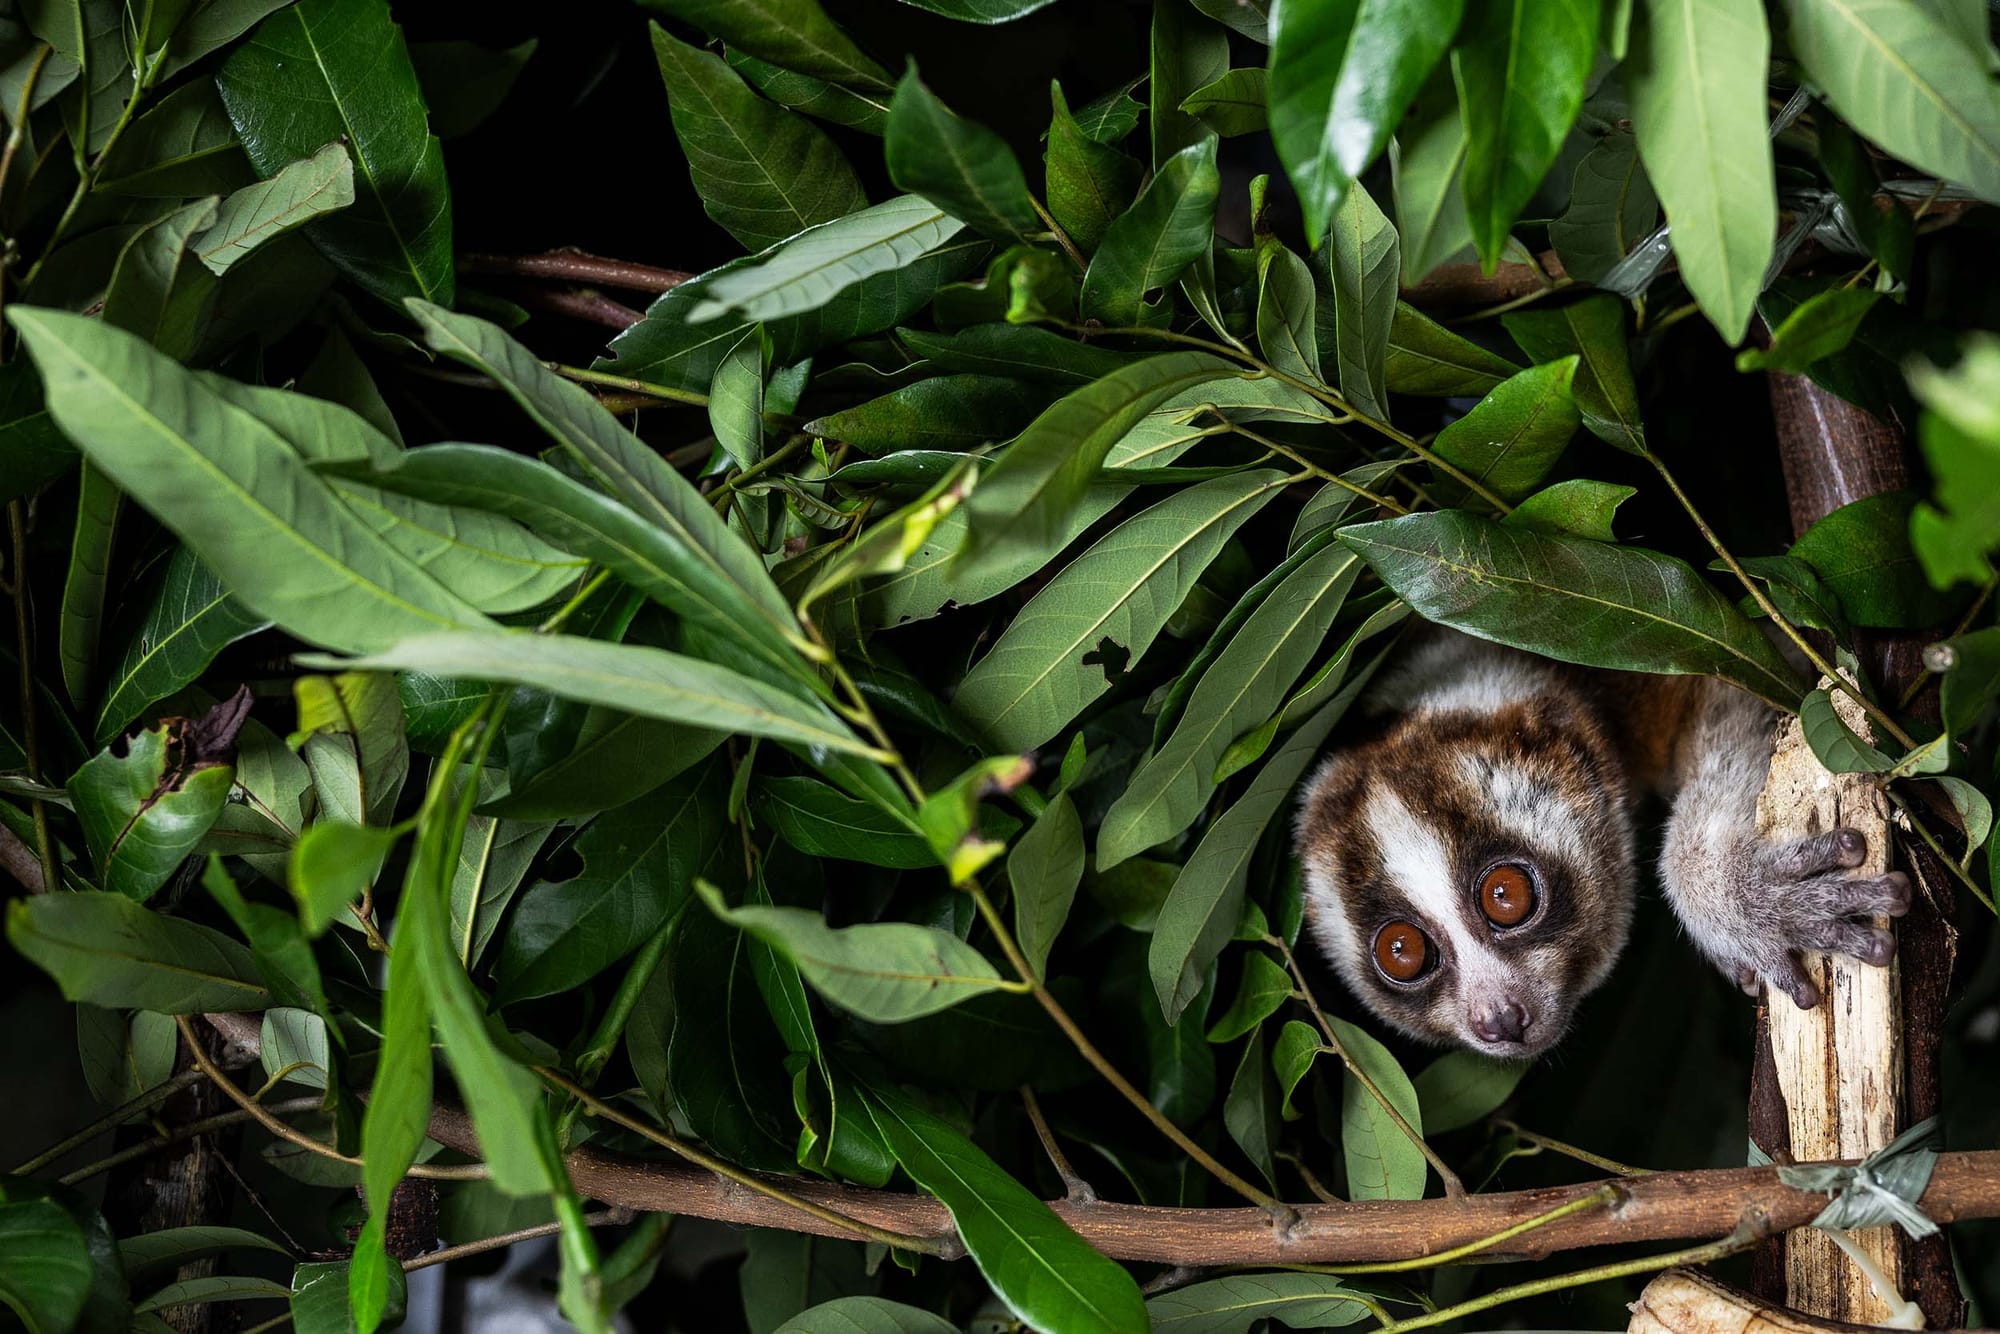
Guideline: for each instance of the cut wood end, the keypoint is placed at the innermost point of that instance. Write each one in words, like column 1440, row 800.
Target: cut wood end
column 1682, row 1301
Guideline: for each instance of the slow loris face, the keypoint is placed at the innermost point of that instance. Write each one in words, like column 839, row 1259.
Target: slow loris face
column 1469, row 873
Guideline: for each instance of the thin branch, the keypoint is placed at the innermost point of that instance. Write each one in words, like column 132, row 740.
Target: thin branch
column 592, row 307
column 583, row 375
column 602, row 1218
column 111, row 1120
column 1453, row 1188
column 208, row 1124
column 24, row 648
column 1603, row 1197
column 1075, row 1187
column 1598, row 1161
column 568, row 265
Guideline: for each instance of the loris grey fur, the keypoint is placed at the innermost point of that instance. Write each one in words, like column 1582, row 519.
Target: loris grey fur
column 1469, row 870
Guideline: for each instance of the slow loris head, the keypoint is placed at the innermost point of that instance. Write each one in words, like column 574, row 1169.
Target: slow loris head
column 1469, row 872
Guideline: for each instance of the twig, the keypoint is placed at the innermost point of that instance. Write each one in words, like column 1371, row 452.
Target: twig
column 1394, row 507
column 263, row 1116
column 1075, row 1187
column 594, row 307
column 1061, row 236
column 1596, row 1160
column 111, row 1120
column 20, row 861
column 445, row 1255
column 1454, row 1189
column 1740, row 1240
column 220, row 1121
column 598, row 1107
column 1923, row 677
column 569, row 265
column 583, row 375
column 1603, row 1197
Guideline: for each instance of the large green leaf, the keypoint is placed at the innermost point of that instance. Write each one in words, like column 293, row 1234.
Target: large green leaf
column 106, row 950
column 326, row 70
column 84, row 588
column 1202, row 909
column 884, row 972
column 1146, row 247
column 1342, row 74
column 821, row 262
column 155, row 292
column 960, row 166
column 45, row 1266
column 1427, row 359
column 1234, row 104
column 791, row 34
column 145, row 809
column 1247, row 683
column 1025, row 501
column 183, row 147
column 1862, row 551
column 1696, row 77
column 865, row 1315
column 763, row 173
column 1461, row 1088
column 1089, row 183
column 1594, row 330
column 258, row 213
column 1076, row 638
column 1611, row 209
column 1044, row 868
column 867, row 112
column 822, row 822
column 232, row 489
column 1572, row 599
column 1382, row 1162
column 1365, row 262
column 639, row 866
column 1521, row 66
column 1514, row 435
column 1232, row 1305
column 1426, row 162
column 1188, row 52
column 650, row 682
column 1048, row 1276
column 1022, row 351
column 1897, row 72
column 1286, row 313
column 942, row 412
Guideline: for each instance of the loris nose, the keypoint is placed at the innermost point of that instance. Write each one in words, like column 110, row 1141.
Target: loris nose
column 1501, row 1021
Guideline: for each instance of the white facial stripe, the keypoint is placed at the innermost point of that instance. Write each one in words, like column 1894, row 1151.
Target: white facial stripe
column 1416, row 861
column 1530, row 808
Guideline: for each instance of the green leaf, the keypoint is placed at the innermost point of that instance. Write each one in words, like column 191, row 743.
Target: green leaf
column 639, row 866
column 1862, row 552
column 1146, row 247
column 950, row 815
column 1292, row 1057
column 45, row 1266
column 213, row 1288
column 107, row 950
column 1426, row 164
column 763, row 173
column 184, row 147
column 1362, row 249
column 1819, row 326
column 1578, row 601
column 153, row 292
column 1285, row 312
column 232, row 489
column 1233, row 1305
column 1026, row 499
column 1834, row 742
column 321, row 1298
column 464, row 83
column 282, row 955
column 1232, row 105
column 1579, row 508
column 865, row 1315
column 1206, row 900
column 942, row 412
column 1247, row 683
column 821, row 262
column 822, row 821
column 1044, row 868
column 1187, row 53
column 1089, row 183
column 1263, row 989
column 81, row 624
column 326, row 70
column 358, row 718
column 143, row 811
column 1902, row 77
column 650, row 682
column 1970, row 680
column 262, row 212
column 1046, row 1274
column 1611, row 209
column 331, row 864
column 1113, row 116
column 1342, row 74
column 1513, row 437
column 1429, row 360
column 1462, row 1088
column 883, row 972
column 1521, row 66
column 792, row 34
column 1076, row 638
column 32, row 450
column 1697, row 76
column 867, row 112
column 1382, row 1162
column 961, row 167
column 176, row 1246
column 1018, row 350
column 1960, row 435
column 1250, row 1113
column 724, row 1053
column 981, row 11
column 1594, row 330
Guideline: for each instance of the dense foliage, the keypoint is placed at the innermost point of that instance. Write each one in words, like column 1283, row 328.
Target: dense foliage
column 846, row 729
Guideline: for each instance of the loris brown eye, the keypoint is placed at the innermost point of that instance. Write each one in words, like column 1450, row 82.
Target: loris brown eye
column 1402, row 952
column 1507, row 895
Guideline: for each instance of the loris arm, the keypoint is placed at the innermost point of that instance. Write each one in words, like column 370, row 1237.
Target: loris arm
column 1748, row 903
